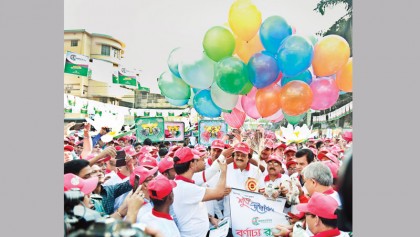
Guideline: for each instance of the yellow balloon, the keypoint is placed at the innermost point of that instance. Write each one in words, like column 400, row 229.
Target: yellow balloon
column 244, row 19
column 245, row 50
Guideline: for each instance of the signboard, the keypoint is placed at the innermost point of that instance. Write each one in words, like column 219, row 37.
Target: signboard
column 254, row 215
column 127, row 77
column 221, row 230
column 76, row 64
column 210, row 130
column 150, row 127
column 174, row 131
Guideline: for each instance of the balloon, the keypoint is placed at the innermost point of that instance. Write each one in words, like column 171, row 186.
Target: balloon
column 177, row 102
column 173, row 87
column 245, row 49
column 277, row 117
column 205, row 106
column 247, row 88
column 296, row 98
column 248, row 104
column 279, row 77
column 235, row 119
column 344, row 78
column 293, row 120
column 231, row 75
column 195, row 90
column 223, row 99
column 173, row 61
column 244, row 19
column 331, row 53
column 313, row 39
column 305, row 76
column 218, row 43
column 263, row 70
column 273, row 31
column 267, row 100
column 295, row 55
column 197, row 70
column 325, row 93
column 239, row 104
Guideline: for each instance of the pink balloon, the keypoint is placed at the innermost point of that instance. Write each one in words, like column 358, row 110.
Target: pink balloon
column 239, row 104
column 325, row 93
column 248, row 104
column 277, row 117
column 235, row 119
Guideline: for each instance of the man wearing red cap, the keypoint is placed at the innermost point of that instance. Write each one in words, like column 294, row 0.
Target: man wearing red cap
column 264, row 154
column 291, row 167
column 217, row 146
column 188, row 205
column 166, row 168
column 274, row 178
column 162, row 197
column 289, row 153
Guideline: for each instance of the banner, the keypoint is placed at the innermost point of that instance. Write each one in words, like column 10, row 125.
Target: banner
column 115, row 77
column 254, row 215
column 76, row 64
column 127, row 77
column 210, row 130
column 174, row 131
column 140, row 88
column 151, row 127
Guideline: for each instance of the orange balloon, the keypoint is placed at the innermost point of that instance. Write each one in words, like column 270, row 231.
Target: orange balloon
column 296, row 98
column 344, row 77
column 245, row 50
column 267, row 100
column 330, row 54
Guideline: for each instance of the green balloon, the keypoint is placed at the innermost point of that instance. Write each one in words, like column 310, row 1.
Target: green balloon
column 231, row 75
column 218, row 43
column 293, row 120
column 173, row 87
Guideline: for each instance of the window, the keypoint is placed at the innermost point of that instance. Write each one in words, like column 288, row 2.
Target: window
column 116, row 52
column 74, row 43
column 106, row 50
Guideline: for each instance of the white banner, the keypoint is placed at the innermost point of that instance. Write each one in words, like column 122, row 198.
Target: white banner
column 252, row 214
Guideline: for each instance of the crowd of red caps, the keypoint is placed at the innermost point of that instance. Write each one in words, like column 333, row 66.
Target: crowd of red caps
column 154, row 165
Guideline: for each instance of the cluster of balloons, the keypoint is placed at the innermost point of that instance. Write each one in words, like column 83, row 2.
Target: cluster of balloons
column 259, row 69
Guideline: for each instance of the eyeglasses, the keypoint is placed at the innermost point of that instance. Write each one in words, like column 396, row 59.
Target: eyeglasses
column 273, row 163
column 290, row 168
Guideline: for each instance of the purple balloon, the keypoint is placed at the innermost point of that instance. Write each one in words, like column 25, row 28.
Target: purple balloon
column 325, row 92
column 248, row 104
column 263, row 70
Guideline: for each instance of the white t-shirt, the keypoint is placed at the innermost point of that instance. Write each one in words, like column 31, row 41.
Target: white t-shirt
column 274, row 184
column 189, row 209
column 144, row 210
column 115, row 179
column 162, row 222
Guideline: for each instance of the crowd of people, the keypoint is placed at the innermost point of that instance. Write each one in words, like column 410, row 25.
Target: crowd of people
column 177, row 189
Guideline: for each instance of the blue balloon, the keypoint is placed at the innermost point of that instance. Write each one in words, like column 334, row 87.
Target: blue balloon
column 273, row 31
column 262, row 69
column 205, row 106
column 177, row 102
column 305, row 76
column 173, row 61
column 295, row 55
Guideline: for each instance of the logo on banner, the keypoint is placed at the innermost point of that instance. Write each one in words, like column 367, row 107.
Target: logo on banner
column 251, row 184
column 257, row 221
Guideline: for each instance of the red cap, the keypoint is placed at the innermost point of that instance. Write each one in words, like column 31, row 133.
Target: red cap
column 161, row 186
column 279, row 144
column 227, row 146
column 86, row 186
column 118, row 148
column 290, row 148
column 170, row 154
column 146, row 149
column 330, row 156
column 198, row 153
column 143, row 173
column 299, row 215
column 165, row 164
column 269, row 144
column 348, row 136
column 149, row 162
column 241, row 147
column 320, row 205
column 323, row 150
column 218, row 144
column 185, row 154
column 333, row 167
column 314, row 150
column 68, row 148
column 292, row 162
column 200, row 148
column 174, row 148
column 327, row 140
column 274, row 158
column 122, row 138
column 129, row 150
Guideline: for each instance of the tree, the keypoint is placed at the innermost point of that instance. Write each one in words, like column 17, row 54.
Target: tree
column 343, row 26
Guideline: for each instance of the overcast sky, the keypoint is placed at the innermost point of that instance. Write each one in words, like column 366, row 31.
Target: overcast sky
column 151, row 29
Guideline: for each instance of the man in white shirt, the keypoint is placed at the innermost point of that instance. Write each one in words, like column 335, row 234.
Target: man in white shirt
column 191, row 212
column 162, row 197
column 217, row 147
column 274, row 178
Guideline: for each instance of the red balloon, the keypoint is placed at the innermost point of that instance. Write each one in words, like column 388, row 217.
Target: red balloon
column 267, row 100
column 296, row 98
column 235, row 119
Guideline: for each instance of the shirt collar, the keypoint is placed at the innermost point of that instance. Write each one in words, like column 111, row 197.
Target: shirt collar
column 179, row 177
column 267, row 178
column 329, row 191
column 161, row 215
column 328, row 233
column 248, row 166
